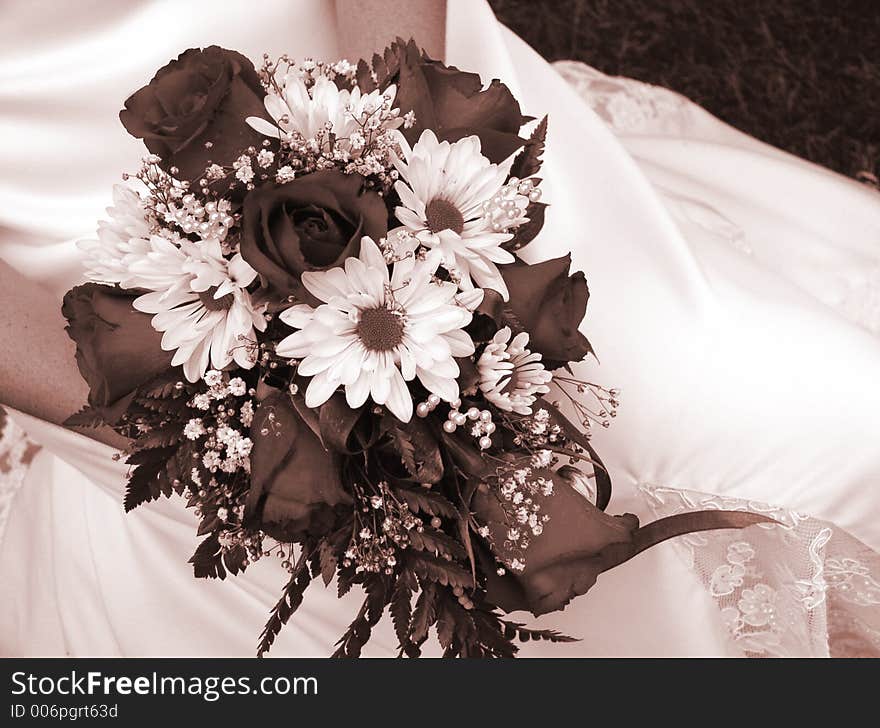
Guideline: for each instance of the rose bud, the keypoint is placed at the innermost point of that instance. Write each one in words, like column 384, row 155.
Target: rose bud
column 454, row 105
column 550, row 304
column 203, row 96
column 313, row 223
column 117, row 348
column 577, row 543
column 295, row 481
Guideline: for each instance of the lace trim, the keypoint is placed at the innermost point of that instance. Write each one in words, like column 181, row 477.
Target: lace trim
column 626, row 105
column 802, row 588
column 16, row 455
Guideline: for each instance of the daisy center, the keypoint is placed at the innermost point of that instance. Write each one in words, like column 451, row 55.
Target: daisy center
column 443, row 215
column 224, row 303
column 380, row 329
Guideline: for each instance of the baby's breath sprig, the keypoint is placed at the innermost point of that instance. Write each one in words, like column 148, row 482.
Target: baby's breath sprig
column 174, row 209
column 518, row 489
column 382, row 526
column 598, row 407
column 218, row 482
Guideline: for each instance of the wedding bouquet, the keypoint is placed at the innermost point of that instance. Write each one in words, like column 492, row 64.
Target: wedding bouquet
column 308, row 315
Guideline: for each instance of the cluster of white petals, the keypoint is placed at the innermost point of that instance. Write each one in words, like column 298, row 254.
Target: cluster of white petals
column 201, row 304
column 445, row 190
column 377, row 330
column 511, row 376
column 309, row 111
column 123, row 238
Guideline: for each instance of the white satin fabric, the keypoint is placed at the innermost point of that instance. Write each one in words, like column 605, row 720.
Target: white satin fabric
column 742, row 375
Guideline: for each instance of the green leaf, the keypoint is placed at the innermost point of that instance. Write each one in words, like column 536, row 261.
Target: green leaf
column 434, row 569
column 418, row 449
column 149, row 480
column 336, row 420
column 426, row 501
column 86, row 417
column 165, row 386
column 437, row 543
column 528, row 231
column 457, row 628
column 490, row 634
column 207, row 561
column 345, row 582
column 155, row 405
column 160, row 437
column 401, row 609
column 358, row 633
column 328, row 560
column 528, row 161
column 236, row 559
column 289, row 602
column 446, row 624
column 380, row 74
column 524, row 634
column 424, row 615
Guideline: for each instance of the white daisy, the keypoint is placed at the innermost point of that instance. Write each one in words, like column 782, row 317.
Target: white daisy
column 121, row 239
column 449, row 192
column 510, row 375
column 200, row 302
column 308, row 112
column 378, row 331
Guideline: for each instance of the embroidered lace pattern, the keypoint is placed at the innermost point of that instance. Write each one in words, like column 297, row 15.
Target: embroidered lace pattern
column 626, row 105
column 16, row 454
column 803, row 588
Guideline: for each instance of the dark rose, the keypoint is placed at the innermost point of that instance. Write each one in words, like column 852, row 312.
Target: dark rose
column 295, row 482
column 454, row 104
column 203, row 96
column 550, row 304
column 578, row 543
column 312, row 223
column 117, row 348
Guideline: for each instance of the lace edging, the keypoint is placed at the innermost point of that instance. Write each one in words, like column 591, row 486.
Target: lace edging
column 802, row 588
column 16, row 454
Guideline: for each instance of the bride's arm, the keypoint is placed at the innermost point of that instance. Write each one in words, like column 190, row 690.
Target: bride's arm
column 38, row 373
column 367, row 26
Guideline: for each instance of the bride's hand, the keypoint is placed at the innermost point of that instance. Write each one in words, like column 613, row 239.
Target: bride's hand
column 38, row 372
column 368, row 26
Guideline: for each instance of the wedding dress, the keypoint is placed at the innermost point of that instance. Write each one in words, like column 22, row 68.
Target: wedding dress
column 735, row 301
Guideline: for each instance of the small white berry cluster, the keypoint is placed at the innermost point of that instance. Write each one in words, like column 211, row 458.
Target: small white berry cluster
column 194, row 215
column 482, row 428
column 171, row 201
column 507, row 207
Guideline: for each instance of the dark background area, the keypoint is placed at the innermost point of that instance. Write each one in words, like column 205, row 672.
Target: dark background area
column 803, row 75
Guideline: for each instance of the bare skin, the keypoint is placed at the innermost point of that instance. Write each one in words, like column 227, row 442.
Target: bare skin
column 366, row 26
column 38, row 372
